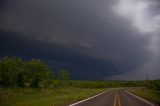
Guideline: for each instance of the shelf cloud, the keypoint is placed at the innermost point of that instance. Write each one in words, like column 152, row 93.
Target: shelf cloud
column 93, row 39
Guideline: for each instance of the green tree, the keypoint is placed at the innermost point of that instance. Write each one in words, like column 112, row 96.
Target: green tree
column 9, row 69
column 48, row 78
column 21, row 79
column 38, row 72
column 63, row 75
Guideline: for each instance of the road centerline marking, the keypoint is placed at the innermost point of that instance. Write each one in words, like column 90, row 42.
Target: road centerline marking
column 119, row 102
column 115, row 98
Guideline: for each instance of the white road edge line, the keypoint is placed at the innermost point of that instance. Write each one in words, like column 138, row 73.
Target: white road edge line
column 88, row 98
column 140, row 98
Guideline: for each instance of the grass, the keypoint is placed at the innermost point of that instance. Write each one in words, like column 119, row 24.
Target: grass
column 44, row 97
column 152, row 95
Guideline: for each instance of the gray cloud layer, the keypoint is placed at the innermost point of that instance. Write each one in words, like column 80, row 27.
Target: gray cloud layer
column 94, row 36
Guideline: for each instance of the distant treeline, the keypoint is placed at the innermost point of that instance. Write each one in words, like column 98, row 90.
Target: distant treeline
column 150, row 84
column 15, row 72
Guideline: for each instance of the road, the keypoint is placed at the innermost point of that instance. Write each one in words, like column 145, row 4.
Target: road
column 117, row 97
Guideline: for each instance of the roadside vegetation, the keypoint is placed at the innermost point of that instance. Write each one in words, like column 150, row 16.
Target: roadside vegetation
column 45, row 97
column 33, row 83
column 152, row 95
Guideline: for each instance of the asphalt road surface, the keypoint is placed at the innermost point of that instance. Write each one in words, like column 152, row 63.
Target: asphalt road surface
column 114, row 98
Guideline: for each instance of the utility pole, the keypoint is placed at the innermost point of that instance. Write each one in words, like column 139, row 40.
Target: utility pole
column 147, row 76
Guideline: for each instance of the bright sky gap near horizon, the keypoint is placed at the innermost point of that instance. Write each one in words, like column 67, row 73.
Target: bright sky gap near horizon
column 93, row 39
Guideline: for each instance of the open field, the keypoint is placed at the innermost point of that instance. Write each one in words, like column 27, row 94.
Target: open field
column 151, row 95
column 44, row 97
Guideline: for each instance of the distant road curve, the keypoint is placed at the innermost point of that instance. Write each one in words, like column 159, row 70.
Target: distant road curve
column 118, row 97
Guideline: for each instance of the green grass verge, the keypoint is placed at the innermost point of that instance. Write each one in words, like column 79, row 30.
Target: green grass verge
column 152, row 95
column 44, row 97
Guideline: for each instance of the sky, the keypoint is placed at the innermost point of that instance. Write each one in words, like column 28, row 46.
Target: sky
column 92, row 39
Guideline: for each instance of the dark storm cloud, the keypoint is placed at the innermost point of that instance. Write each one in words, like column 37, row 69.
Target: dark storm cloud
column 56, row 56
column 84, row 36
